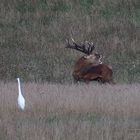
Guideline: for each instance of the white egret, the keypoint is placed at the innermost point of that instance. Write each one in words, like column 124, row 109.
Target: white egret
column 21, row 100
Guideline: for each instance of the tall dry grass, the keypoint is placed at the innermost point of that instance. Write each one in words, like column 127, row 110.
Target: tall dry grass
column 58, row 112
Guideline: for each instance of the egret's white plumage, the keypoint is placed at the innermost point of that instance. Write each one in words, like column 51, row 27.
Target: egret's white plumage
column 21, row 100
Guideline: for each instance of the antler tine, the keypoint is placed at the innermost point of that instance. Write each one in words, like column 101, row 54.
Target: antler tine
column 73, row 40
column 67, row 41
column 91, row 47
column 68, row 44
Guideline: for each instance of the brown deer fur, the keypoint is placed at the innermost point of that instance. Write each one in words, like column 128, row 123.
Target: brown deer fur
column 90, row 68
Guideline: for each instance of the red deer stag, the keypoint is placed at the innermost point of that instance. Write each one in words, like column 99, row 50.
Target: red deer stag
column 90, row 67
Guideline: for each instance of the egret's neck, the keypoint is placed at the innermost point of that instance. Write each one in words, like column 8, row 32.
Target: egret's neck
column 19, row 87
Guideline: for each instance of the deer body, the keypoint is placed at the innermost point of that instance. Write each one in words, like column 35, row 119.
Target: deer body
column 102, row 73
column 83, row 64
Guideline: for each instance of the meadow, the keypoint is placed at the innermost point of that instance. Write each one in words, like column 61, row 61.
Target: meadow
column 32, row 47
column 33, row 34
column 65, row 112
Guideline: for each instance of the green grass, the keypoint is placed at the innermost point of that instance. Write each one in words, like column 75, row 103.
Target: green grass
column 33, row 37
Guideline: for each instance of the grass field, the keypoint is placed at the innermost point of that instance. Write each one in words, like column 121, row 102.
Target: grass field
column 65, row 112
column 32, row 47
column 33, row 34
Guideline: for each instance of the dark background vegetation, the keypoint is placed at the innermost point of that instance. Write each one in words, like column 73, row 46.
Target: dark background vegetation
column 33, row 33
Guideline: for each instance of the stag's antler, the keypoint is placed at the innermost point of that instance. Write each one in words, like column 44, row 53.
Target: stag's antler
column 82, row 48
